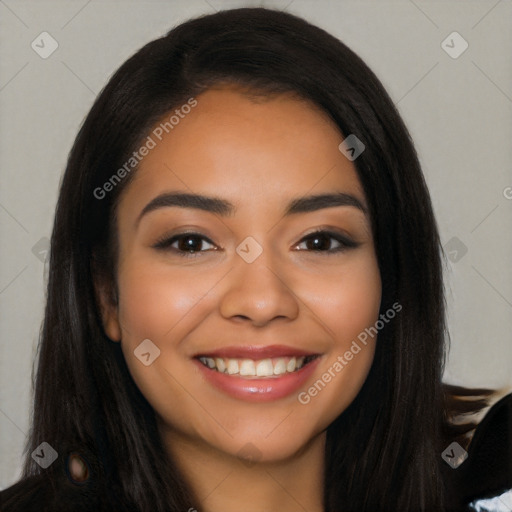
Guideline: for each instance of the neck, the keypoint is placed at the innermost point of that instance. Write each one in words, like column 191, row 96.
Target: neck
column 224, row 482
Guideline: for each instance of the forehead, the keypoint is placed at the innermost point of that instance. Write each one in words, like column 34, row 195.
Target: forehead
column 244, row 147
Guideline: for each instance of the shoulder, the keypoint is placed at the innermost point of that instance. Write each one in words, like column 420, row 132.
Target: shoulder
column 38, row 493
column 487, row 471
column 24, row 495
column 57, row 493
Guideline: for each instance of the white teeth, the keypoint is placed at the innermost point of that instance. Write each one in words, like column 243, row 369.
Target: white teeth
column 290, row 367
column 280, row 367
column 247, row 367
column 221, row 366
column 265, row 368
column 232, row 366
column 250, row 368
column 207, row 361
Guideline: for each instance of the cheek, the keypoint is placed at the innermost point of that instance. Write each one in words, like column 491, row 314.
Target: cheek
column 347, row 301
column 160, row 305
column 153, row 301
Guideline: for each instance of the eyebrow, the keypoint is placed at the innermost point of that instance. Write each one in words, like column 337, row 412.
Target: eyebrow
column 225, row 208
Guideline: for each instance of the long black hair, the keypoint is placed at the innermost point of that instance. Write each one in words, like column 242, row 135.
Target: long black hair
column 384, row 451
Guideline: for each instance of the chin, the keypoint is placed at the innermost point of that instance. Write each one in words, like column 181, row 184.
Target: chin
column 277, row 447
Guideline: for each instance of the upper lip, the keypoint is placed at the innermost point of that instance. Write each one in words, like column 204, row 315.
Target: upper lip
column 257, row 352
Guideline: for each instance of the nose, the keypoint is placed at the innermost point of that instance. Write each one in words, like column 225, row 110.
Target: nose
column 258, row 292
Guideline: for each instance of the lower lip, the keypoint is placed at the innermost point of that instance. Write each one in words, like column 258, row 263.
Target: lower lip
column 258, row 390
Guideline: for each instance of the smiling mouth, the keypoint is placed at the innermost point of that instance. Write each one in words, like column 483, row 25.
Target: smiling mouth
column 262, row 368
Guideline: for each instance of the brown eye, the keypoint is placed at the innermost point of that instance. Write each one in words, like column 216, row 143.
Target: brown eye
column 185, row 244
column 323, row 241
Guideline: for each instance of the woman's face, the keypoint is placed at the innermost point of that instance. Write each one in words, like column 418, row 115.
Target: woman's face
column 253, row 290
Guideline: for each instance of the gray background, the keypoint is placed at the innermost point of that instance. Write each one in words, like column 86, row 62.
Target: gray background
column 457, row 109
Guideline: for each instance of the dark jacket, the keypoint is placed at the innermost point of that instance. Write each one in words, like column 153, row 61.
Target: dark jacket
column 487, row 472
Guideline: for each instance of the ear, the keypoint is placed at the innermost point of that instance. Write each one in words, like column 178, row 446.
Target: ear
column 106, row 297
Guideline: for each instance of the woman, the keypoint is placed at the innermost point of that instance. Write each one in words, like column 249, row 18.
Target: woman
column 291, row 356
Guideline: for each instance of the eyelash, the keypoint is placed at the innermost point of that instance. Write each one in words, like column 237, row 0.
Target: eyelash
column 345, row 243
